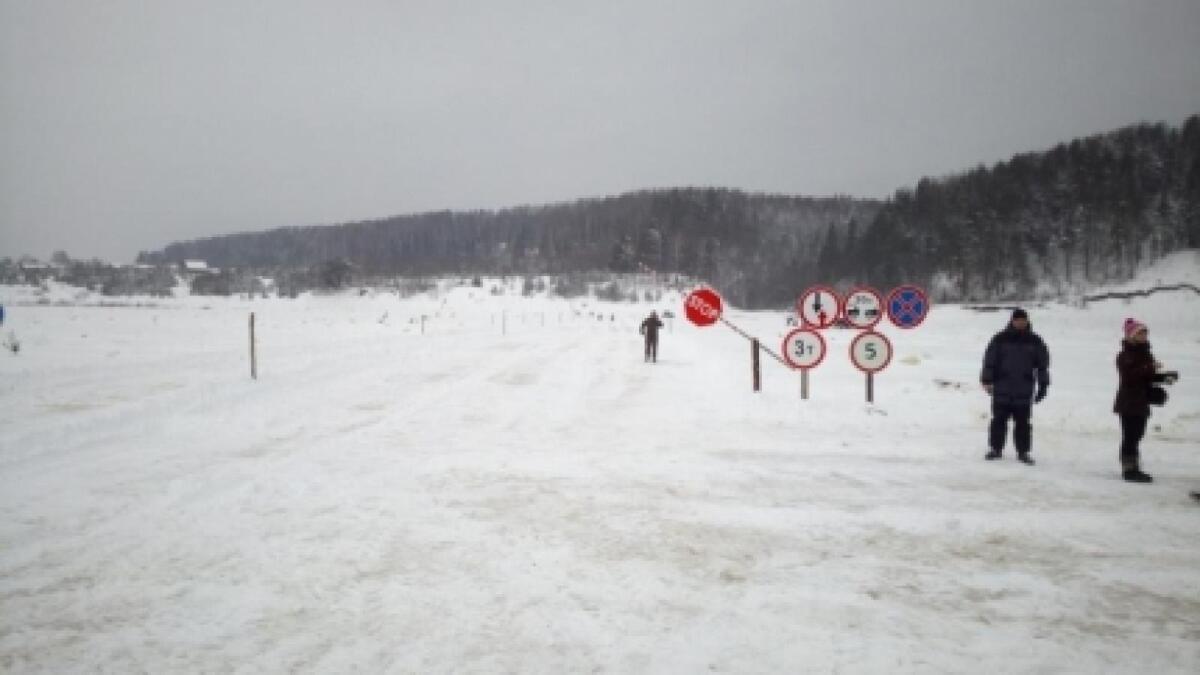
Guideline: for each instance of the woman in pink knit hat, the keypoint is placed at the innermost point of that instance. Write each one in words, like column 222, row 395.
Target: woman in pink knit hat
column 1137, row 369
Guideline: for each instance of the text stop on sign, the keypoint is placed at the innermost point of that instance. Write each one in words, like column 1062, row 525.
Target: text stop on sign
column 702, row 307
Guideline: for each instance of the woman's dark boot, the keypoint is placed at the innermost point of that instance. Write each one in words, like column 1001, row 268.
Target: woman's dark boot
column 1135, row 475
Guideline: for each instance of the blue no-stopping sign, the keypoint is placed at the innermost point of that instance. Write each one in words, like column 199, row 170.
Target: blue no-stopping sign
column 907, row 306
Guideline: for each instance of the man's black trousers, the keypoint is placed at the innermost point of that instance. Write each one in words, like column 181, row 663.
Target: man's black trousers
column 1022, row 430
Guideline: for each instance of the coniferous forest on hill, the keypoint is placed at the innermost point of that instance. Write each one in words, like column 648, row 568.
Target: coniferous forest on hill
column 1092, row 210
column 1089, row 211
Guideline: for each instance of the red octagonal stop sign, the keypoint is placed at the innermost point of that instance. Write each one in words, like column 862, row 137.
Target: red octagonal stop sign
column 702, row 307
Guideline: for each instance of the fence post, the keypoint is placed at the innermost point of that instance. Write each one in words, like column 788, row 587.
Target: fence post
column 757, row 372
column 253, row 354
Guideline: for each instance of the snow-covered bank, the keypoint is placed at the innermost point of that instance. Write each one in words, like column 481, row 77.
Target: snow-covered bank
column 514, row 490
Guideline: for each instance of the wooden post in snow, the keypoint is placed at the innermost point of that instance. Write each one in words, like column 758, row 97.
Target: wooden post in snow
column 253, row 355
column 756, row 370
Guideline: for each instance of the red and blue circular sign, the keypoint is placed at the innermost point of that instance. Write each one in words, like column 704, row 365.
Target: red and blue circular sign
column 907, row 306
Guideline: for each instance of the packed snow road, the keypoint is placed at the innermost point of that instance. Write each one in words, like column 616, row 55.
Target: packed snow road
column 541, row 500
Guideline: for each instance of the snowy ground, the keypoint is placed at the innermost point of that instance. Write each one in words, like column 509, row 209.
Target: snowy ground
column 382, row 500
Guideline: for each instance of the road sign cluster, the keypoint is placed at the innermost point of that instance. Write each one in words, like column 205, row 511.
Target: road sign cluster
column 821, row 307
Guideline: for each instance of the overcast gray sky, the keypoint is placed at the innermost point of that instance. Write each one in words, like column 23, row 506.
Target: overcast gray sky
column 126, row 124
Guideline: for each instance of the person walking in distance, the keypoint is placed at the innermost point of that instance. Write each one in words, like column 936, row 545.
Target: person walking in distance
column 1015, row 363
column 1137, row 370
column 649, row 329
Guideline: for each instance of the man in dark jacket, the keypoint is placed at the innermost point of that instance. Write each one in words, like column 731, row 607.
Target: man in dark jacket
column 650, row 329
column 1016, row 359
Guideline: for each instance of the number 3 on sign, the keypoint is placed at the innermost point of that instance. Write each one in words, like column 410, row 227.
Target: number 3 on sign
column 803, row 348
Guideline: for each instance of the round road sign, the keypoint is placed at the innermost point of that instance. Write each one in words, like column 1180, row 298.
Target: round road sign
column 907, row 306
column 863, row 307
column 819, row 307
column 871, row 352
column 803, row 348
column 702, row 307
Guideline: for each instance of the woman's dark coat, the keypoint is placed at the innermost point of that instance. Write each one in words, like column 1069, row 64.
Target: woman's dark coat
column 1135, row 366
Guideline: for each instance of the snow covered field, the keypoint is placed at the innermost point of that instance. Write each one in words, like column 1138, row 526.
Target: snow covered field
column 382, row 500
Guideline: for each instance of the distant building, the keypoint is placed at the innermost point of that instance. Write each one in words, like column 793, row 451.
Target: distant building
column 266, row 284
column 34, row 272
column 198, row 267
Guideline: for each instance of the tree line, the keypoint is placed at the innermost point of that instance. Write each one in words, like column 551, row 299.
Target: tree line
column 1088, row 211
column 756, row 248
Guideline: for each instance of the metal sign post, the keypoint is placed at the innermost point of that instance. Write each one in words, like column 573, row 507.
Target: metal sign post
column 803, row 349
column 871, row 352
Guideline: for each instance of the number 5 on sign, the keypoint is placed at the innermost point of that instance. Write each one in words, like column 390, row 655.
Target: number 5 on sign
column 871, row 352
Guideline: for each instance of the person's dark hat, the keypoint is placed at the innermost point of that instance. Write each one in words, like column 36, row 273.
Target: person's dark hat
column 1019, row 313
